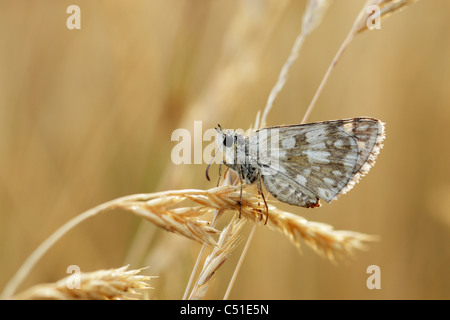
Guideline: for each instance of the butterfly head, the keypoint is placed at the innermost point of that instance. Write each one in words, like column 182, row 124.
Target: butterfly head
column 231, row 143
column 224, row 139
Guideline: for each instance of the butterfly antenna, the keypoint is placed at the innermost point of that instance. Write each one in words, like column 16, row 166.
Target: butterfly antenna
column 207, row 169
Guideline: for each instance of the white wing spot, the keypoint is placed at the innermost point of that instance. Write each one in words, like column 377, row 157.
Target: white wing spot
column 324, row 193
column 317, row 156
column 350, row 160
column 320, row 146
column 329, row 181
column 363, row 127
column 281, row 153
column 339, row 144
column 337, row 173
column 307, row 172
column 288, row 143
column 316, row 135
column 301, row 179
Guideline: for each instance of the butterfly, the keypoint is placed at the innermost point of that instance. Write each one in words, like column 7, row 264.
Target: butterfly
column 301, row 164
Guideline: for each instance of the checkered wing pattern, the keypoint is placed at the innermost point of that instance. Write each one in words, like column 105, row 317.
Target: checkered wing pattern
column 301, row 164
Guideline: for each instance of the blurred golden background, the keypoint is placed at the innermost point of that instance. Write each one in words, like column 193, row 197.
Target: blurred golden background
column 86, row 116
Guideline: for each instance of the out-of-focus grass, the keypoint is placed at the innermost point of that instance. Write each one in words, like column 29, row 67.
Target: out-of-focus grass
column 86, row 116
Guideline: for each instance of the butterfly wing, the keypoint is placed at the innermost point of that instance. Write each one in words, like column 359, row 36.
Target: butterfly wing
column 290, row 191
column 302, row 163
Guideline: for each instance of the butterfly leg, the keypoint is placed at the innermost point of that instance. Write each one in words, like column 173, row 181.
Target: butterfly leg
column 220, row 174
column 260, row 190
column 240, row 195
column 240, row 202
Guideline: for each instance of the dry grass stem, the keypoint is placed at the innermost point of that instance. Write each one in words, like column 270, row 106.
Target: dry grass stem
column 197, row 262
column 387, row 7
column 218, row 256
column 321, row 237
column 313, row 16
column 333, row 244
column 183, row 221
column 153, row 207
column 112, row 284
column 240, row 262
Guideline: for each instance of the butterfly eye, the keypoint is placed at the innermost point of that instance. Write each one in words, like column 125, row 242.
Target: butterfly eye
column 228, row 141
